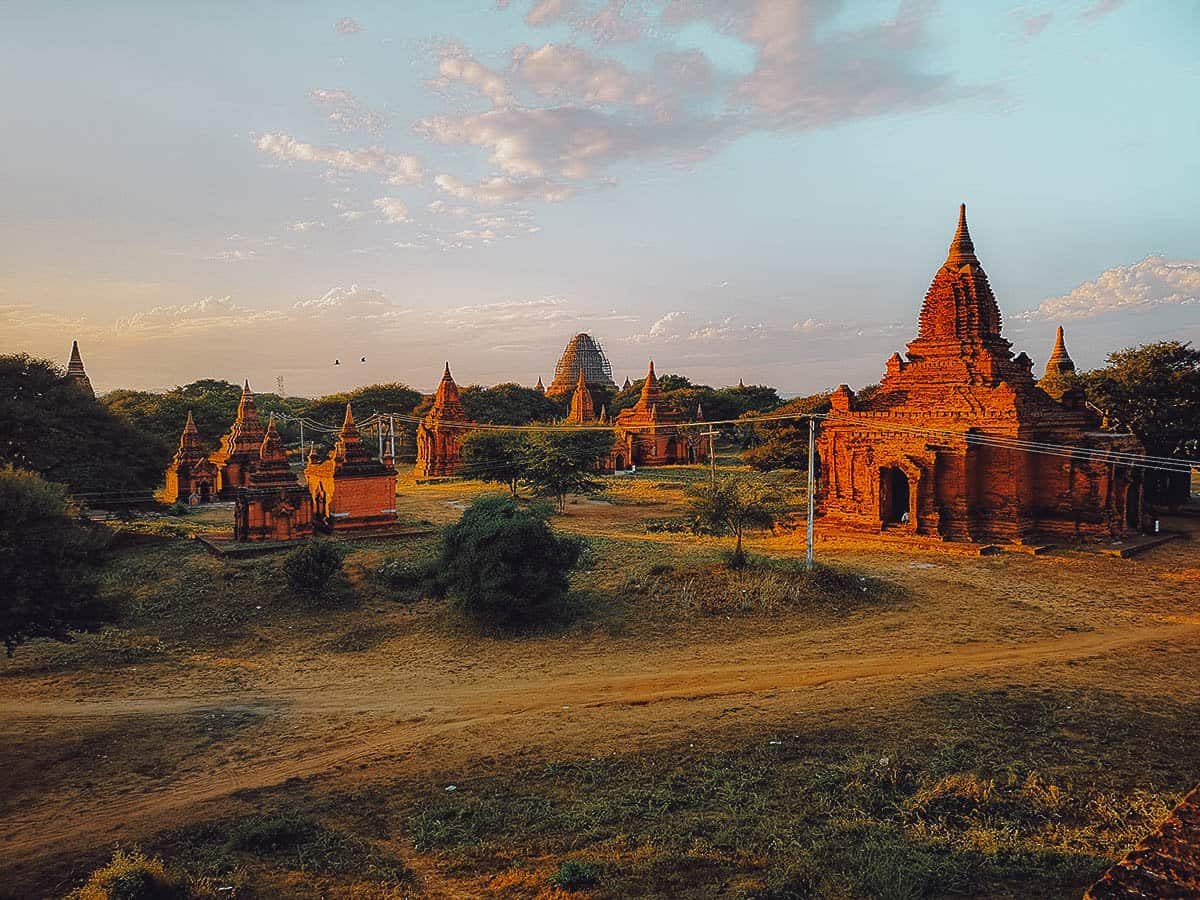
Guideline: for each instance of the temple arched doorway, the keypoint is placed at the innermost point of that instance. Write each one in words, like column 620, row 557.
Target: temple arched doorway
column 1133, row 506
column 204, row 489
column 895, row 495
column 619, row 465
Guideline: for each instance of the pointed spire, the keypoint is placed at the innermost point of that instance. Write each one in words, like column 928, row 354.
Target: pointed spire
column 741, row 386
column 247, row 411
column 189, row 438
column 76, row 363
column 626, row 386
column 604, row 414
column 190, row 426
column 699, row 412
column 651, row 393
column 962, row 249
column 348, row 421
column 650, row 375
column 539, row 387
column 75, row 370
column 582, row 406
column 272, row 447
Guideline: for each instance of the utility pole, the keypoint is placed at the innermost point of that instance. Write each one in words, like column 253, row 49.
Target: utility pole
column 812, row 485
column 392, row 435
column 301, row 421
column 379, row 431
column 712, row 456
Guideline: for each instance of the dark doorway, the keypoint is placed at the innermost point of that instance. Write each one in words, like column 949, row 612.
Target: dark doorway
column 620, row 464
column 896, row 496
column 205, row 492
column 691, row 454
column 1133, row 503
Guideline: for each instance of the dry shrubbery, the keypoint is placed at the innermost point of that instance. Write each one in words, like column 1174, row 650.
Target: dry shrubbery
column 132, row 876
column 763, row 588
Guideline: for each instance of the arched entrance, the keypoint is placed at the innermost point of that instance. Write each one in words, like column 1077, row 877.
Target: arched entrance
column 205, row 491
column 1133, row 506
column 894, row 496
column 619, row 465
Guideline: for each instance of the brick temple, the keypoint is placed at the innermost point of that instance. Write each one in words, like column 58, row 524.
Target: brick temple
column 272, row 505
column 238, row 455
column 582, row 354
column 650, row 433
column 441, row 433
column 927, row 453
column 351, row 488
column 191, row 477
column 76, row 373
column 583, row 405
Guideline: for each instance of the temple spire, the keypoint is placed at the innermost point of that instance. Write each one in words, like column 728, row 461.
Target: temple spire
column 348, row 421
column 76, row 372
column 962, row 249
column 582, row 406
column 1060, row 361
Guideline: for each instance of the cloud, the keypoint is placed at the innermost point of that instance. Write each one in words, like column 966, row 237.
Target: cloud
column 347, row 111
column 537, row 314
column 395, row 168
column 204, row 314
column 304, row 226
column 675, row 326
column 346, row 26
column 504, row 189
column 457, row 66
column 1151, row 283
column 607, row 21
column 394, row 210
column 1101, row 9
column 1035, row 25
column 234, row 255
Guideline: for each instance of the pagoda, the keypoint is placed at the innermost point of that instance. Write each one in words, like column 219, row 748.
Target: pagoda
column 351, row 488
column 650, row 433
column 76, row 373
column 273, row 505
column 582, row 354
column 583, row 407
column 238, row 455
column 933, row 450
column 1059, row 376
column 441, row 432
column 191, row 477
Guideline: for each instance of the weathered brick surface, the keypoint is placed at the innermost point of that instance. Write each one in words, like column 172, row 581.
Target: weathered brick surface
column 650, row 433
column 901, row 460
column 273, row 505
column 1164, row 865
column 238, row 455
column 582, row 354
column 439, row 439
column 351, row 488
column 191, row 477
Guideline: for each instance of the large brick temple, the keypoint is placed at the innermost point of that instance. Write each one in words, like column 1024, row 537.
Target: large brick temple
column 650, row 433
column 191, row 477
column 582, row 355
column 272, row 505
column 930, row 452
column 238, row 455
column 441, row 433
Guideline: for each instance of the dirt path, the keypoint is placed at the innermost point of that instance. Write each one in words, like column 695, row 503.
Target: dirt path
column 393, row 723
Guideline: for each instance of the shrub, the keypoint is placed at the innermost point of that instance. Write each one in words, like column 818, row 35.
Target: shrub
column 311, row 568
column 503, row 564
column 131, row 876
column 574, row 873
column 46, row 589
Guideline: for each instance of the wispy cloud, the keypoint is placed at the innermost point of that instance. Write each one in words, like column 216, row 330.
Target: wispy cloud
column 346, row 26
column 1154, row 282
column 394, row 168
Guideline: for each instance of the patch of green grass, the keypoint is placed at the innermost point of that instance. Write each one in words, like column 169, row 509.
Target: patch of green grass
column 575, row 873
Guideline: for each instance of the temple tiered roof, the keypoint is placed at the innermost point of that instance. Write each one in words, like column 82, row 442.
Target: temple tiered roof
column 583, row 407
column 582, row 354
column 75, row 370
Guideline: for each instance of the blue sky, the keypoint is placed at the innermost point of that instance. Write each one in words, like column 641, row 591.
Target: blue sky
column 759, row 189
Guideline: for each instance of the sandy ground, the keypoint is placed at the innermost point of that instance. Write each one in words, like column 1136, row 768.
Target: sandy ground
column 191, row 732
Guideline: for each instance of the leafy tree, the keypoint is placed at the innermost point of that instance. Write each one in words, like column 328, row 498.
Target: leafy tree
column 45, row 551
column 508, row 404
column 1154, row 391
column 733, row 504
column 564, row 462
column 51, row 427
column 495, row 456
column 503, row 564
column 783, row 444
column 311, row 568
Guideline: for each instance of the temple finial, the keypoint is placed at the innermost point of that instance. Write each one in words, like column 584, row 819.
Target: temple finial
column 446, row 373
column 190, row 425
column 246, row 387
column 962, row 249
column 348, row 421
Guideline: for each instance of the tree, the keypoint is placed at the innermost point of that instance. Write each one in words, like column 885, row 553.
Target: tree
column 503, row 564
column 46, row 589
column 495, row 456
column 1154, row 392
column 783, row 444
column 311, row 568
column 563, row 462
column 51, row 427
column 733, row 504
column 508, row 404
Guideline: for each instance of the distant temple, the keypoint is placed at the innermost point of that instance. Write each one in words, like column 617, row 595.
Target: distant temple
column 441, row 432
column 650, row 433
column 582, row 354
column 238, row 455
column 539, row 387
column 273, row 505
column 191, row 477
column 351, row 489
column 1059, row 376
column 76, row 373
column 931, row 451
column 583, row 406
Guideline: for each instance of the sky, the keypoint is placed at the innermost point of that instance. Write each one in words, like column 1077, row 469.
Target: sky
column 737, row 189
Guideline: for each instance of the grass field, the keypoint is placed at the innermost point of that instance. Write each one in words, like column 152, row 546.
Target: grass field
column 909, row 721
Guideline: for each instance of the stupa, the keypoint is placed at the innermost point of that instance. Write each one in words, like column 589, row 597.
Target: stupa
column 76, row 373
column 1059, row 376
column 583, row 407
column 191, row 477
column 273, row 505
column 351, row 488
column 582, row 354
column 238, row 454
column 651, row 434
column 442, row 431
column 932, row 451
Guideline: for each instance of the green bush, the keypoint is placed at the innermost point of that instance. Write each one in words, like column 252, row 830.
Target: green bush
column 503, row 565
column 132, row 876
column 574, row 873
column 46, row 588
column 311, row 569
